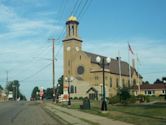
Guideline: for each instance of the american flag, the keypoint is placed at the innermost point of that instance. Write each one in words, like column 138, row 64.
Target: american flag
column 130, row 49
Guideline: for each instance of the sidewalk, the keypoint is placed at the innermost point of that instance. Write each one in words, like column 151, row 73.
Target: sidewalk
column 76, row 117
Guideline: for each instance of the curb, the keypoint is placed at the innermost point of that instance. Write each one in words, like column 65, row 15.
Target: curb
column 55, row 116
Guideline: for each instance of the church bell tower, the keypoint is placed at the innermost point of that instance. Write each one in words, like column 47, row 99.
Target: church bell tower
column 72, row 45
column 72, row 30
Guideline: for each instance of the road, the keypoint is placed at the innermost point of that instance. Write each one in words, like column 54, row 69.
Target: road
column 24, row 113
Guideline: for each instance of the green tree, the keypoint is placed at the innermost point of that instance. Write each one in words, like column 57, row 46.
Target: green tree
column 1, row 88
column 124, row 94
column 60, row 87
column 158, row 81
column 35, row 92
column 22, row 97
column 49, row 93
column 146, row 82
column 14, row 87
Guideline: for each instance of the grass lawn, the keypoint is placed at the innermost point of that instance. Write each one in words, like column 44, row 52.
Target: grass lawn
column 138, row 114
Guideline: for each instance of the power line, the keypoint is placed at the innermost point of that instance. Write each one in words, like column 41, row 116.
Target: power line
column 148, row 73
column 82, row 9
column 47, row 47
column 86, row 8
column 36, row 72
column 75, row 9
column 76, row 6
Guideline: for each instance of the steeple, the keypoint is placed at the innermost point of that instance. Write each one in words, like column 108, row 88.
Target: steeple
column 72, row 29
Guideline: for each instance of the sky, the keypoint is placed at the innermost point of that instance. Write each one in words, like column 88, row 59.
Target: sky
column 106, row 27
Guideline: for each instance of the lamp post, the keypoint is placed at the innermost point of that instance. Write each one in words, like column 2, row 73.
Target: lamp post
column 101, row 85
column 37, row 94
column 57, row 92
column 15, row 86
column 102, row 62
column 69, row 80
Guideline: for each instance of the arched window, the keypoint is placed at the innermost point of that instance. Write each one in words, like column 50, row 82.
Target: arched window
column 110, row 82
column 123, row 82
column 75, row 89
column 128, row 83
column 76, row 31
column 73, row 29
column 117, row 83
column 72, row 89
column 69, row 29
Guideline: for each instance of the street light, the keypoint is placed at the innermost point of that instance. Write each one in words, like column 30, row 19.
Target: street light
column 101, row 85
column 69, row 80
column 103, row 61
column 37, row 94
column 15, row 86
column 57, row 92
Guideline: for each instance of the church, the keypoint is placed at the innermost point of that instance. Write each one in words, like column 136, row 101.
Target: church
column 83, row 75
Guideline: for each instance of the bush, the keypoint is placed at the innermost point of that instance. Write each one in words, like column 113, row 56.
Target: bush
column 124, row 94
column 141, row 98
column 81, row 98
column 114, row 100
column 132, row 99
column 153, row 95
column 161, row 95
column 147, row 99
column 75, row 98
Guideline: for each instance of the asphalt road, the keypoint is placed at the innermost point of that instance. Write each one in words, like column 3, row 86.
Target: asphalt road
column 24, row 113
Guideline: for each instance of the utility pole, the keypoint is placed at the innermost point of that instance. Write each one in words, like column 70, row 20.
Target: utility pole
column 53, row 68
column 7, row 78
column 16, row 92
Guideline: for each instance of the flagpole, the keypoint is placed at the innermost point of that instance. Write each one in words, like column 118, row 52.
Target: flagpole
column 120, row 78
column 129, row 65
column 139, row 91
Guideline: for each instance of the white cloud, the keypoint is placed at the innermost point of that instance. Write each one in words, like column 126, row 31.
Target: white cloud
column 151, row 53
column 45, row 13
column 34, row 25
column 153, row 49
column 25, row 38
column 7, row 14
column 18, row 26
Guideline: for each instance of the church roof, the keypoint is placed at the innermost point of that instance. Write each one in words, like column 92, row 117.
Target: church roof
column 93, row 89
column 151, row 86
column 114, row 65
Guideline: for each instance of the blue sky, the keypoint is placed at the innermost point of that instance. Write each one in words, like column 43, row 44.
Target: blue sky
column 105, row 27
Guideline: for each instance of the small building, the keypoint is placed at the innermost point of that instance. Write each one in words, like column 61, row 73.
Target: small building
column 3, row 96
column 151, row 89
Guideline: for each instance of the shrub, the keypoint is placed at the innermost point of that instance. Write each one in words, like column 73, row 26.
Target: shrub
column 124, row 95
column 75, row 98
column 114, row 100
column 147, row 99
column 132, row 99
column 141, row 98
column 81, row 98
column 161, row 95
